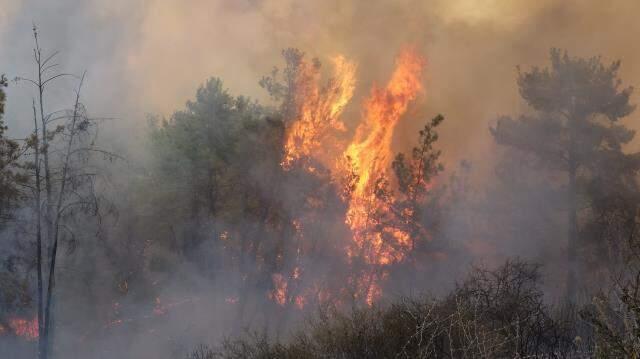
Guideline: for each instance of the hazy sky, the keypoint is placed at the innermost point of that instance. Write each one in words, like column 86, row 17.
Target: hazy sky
column 149, row 56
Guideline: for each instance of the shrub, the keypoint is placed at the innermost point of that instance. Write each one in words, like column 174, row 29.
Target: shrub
column 492, row 314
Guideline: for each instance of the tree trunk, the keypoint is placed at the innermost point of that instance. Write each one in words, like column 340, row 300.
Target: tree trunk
column 56, row 223
column 41, row 341
column 43, row 338
column 572, row 237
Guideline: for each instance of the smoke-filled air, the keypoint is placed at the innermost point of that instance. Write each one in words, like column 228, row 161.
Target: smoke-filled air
column 319, row 179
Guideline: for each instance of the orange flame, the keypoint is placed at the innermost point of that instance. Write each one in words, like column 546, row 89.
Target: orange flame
column 279, row 293
column 232, row 300
column 25, row 328
column 159, row 308
column 370, row 156
column 320, row 109
column 300, row 301
column 366, row 159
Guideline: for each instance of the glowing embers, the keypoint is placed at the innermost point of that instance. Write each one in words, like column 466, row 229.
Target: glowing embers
column 24, row 328
column 281, row 290
column 279, row 293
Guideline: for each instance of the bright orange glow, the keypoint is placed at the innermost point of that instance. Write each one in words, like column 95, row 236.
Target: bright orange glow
column 370, row 156
column 365, row 162
column 25, row 328
column 232, row 300
column 159, row 308
column 279, row 293
column 300, row 302
column 320, row 110
column 373, row 293
column 296, row 273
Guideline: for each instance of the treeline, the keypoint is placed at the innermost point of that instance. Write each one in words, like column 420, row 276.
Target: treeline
column 50, row 202
column 564, row 177
column 101, row 252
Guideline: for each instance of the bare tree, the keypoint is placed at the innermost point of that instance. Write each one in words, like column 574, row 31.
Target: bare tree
column 64, row 181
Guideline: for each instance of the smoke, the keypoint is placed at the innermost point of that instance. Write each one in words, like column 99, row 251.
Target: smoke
column 150, row 56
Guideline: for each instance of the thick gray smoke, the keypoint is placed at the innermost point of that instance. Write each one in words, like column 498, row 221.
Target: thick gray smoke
column 149, row 57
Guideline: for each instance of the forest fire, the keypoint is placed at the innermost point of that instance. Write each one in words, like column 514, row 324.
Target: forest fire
column 319, row 179
column 366, row 158
column 24, row 328
column 370, row 155
column 319, row 109
column 279, row 294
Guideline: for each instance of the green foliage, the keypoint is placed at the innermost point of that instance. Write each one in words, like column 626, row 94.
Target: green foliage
column 574, row 139
column 414, row 209
column 415, row 175
column 202, row 150
column 576, row 86
column 578, row 103
column 288, row 86
column 15, row 296
column 217, row 179
column 12, row 178
column 211, row 163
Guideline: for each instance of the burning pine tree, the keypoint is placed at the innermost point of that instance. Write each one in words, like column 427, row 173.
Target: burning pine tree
column 381, row 212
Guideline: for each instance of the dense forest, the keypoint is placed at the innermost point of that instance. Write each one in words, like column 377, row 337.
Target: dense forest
column 309, row 223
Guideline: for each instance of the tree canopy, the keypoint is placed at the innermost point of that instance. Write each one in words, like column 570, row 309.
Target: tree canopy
column 11, row 176
column 574, row 128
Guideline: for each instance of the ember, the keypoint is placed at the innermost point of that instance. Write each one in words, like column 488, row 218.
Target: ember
column 25, row 328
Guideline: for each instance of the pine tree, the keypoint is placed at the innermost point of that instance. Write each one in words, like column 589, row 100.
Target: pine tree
column 574, row 128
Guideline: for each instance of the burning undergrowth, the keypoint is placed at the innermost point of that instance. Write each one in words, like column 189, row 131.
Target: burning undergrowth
column 253, row 216
column 381, row 195
column 258, row 215
column 293, row 207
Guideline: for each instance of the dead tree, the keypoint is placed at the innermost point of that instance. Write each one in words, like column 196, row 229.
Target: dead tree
column 62, row 144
